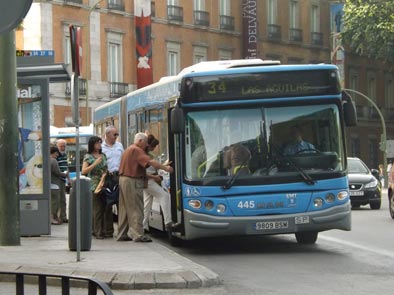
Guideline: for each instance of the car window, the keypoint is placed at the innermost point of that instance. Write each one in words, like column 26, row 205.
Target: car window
column 356, row 166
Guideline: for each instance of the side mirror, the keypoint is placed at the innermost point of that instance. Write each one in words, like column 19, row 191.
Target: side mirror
column 375, row 173
column 349, row 110
column 177, row 120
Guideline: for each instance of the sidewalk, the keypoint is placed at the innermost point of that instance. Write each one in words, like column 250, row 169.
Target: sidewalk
column 122, row 265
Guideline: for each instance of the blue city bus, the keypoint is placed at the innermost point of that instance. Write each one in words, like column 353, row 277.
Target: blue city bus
column 227, row 127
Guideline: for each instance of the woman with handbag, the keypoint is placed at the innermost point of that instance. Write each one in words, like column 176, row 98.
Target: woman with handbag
column 95, row 167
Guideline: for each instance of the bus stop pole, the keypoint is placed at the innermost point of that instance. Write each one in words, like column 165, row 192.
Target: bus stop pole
column 9, row 198
column 75, row 96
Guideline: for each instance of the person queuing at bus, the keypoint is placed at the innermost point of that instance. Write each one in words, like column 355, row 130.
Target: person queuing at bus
column 56, row 183
column 94, row 166
column 113, row 149
column 132, row 182
column 298, row 144
column 155, row 190
column 63, row 166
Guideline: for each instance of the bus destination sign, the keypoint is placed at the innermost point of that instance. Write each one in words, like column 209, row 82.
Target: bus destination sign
column 259, row 85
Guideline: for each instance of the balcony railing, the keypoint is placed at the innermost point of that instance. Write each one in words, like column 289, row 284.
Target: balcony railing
column 201, row 18
column 74, row 1
column 116, row 5
column 117, row 89
column 274, row 32
column 295, row 35
column 81, row 87
column 227, row 22
column 317, row 38
column 175, row 13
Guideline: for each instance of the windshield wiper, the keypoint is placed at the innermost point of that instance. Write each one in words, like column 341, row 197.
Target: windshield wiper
column 305, row 176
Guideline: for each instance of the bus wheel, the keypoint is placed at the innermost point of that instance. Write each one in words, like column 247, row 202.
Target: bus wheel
column 175, row 241
column 306, row 237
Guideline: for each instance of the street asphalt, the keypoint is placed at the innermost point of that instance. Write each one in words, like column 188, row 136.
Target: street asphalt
column 122, row 265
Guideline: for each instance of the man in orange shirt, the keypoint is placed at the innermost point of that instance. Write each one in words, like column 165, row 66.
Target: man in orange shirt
column 132, row 182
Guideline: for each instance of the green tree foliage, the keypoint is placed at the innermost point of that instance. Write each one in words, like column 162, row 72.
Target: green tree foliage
column 369, row 27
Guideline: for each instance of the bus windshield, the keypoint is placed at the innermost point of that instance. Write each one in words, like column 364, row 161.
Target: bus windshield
column 272, row 143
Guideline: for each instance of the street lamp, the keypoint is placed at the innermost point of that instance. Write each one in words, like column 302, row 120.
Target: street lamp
column 87, row 46
column 383, row 137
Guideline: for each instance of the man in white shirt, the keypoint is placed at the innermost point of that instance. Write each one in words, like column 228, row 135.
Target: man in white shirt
column 113, row 149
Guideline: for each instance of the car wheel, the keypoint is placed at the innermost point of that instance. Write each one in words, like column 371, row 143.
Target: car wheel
column 306, row 237
column 391, row 206
column 375, row 205
column 355, row 206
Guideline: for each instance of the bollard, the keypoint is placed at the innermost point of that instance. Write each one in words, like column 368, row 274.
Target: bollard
column 86, row 216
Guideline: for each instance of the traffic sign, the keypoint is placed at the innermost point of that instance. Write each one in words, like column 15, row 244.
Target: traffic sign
column 12, row 13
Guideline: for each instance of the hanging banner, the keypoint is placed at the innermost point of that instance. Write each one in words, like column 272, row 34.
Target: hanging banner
column 249, row 28
column 143, row 28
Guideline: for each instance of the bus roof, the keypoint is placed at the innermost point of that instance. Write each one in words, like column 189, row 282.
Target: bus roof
column 67, row 132
column 226, row 64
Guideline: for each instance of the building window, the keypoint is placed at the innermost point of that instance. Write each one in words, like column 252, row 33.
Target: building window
column 66, row 46
column 225, row 54
column 225, row 7
column 389, row 90
column 174, row 11
column 173, row 58
column 315, row 18
column 371, row 86
column 115, row 58
column 353, row 83
column 373, row 153
column 116, row 4
column 199, row 54
column 294, row 14
column 355, row 147
column 272, row 11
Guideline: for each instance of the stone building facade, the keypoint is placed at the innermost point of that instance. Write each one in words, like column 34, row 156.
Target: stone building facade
column 185, row 32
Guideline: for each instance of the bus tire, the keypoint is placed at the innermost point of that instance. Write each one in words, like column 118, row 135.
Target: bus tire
column 174, row 241
column 306, row 237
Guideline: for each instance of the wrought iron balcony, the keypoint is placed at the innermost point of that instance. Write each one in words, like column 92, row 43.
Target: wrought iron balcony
column 227, row 23
column 295, row 35
column 81, row 87
column 317, row 38
column 116, row 4
column 201, row 18
column 274, row 32
column 175, row 13
column 74, row 1
column 117, row 89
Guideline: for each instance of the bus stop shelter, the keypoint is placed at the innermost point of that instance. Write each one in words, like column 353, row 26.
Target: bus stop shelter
column 35, row 71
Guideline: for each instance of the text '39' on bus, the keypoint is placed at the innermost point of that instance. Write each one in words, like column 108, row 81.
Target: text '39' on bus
column 228, row 127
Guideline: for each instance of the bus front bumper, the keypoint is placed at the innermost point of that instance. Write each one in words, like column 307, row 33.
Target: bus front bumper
column 199, row 225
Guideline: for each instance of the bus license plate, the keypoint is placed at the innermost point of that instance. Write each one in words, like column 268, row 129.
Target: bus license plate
column 267, row 225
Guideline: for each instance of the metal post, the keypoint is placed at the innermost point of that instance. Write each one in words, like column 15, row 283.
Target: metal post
column 383, row 137
column 9, row 199
column 88, row 63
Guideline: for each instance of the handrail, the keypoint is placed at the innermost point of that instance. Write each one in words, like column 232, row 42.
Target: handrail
column 93, row 284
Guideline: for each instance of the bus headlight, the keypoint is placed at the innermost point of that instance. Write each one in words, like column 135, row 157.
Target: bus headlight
column 318, row 202
column 208, row 205
column 196, row 204
column 221, row 208
column 330, row 198
column 342, row 195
